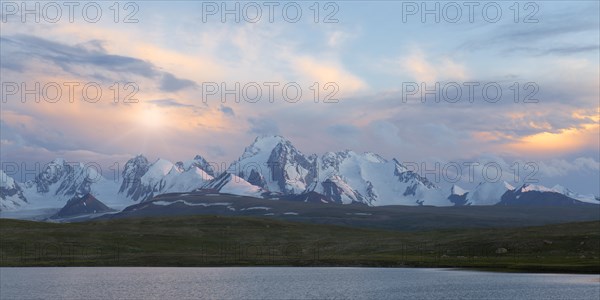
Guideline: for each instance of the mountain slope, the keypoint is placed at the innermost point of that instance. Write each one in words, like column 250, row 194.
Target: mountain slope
column 228, row 183
column 272, row 168
column 275, row 165
column 539, row 195
column 180, row 180
column 488, row 193
column 60, row 181
column 370, row 179
column 458, row 195
column 11, row 194
column 142, row 180
column 84, row 205
column 131, row 183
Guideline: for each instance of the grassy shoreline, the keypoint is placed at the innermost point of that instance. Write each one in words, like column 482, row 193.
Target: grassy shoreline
column 213, row 241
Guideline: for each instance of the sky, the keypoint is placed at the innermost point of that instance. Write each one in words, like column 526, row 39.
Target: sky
column 433, row 84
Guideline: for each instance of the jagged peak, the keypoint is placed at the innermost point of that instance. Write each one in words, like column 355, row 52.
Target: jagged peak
column 140, row 158
column 162, row 163
column 527, row 187
column 369, row 156
column 58, row 161
column 265, row 144
column 270, row 137
column 6, row 181
column 61, row 163
column 507, row 185
column 156, row 171
column 374, row 157
column 268, row 142
column 400, row 168
column 457, row 190
column 199, row 157
column 200, row 162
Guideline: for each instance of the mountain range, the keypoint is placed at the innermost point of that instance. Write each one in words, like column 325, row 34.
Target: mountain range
column 270, row 168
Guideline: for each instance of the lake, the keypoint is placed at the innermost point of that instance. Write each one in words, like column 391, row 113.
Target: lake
column 285, row 283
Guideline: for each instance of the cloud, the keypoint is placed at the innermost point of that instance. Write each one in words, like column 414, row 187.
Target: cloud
column 169, row 103
column 567, row 50
column 324, row 71
column 560, row 51
column 67, row 56
column 426, row 69
column 227, row 110
column 263, row 126
column 216, row 151
column 566, row 140
column 554, row 26
column 342, row 130
column 337, row 38
column 170, row 83
column 84, row 60
column 562, row 167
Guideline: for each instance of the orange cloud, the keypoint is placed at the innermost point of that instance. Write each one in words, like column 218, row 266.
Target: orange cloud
column 423, row 69
column 325, row 71
column 566, row 140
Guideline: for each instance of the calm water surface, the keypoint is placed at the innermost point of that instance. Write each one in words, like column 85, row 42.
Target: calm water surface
column 288, row 283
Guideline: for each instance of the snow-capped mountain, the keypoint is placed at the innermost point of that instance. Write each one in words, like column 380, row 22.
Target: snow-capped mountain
column 228, row 183
column 457, row 190
column 368, row 178
column 271, row 167
column 502, row 193
column 57, row 182
column 529, row 194
column 182, row 178
column 488, row 193
column 200, row 163
column 60, row 178
column 458, row 195
column 142, row 181
column 155, row 174
column 82, row 205
column 571, row 194
column 11, row 194
column 60, row 181
column 274, row 164
column 131, row 182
